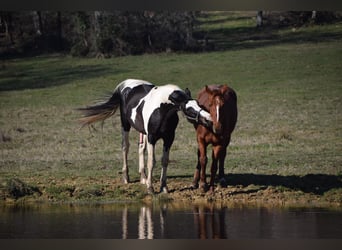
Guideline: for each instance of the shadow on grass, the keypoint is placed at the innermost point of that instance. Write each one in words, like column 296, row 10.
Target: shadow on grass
column 50, row 74
column 250, row 37
column 310, row 183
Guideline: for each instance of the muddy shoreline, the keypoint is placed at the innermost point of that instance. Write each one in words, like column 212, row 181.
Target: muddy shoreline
column 66, row 190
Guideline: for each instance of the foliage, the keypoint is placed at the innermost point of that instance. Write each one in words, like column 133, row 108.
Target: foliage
column 93, row 33
column 117, row 33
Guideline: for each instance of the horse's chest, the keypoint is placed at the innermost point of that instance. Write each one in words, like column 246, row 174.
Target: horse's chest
column 211, row 138
column 217, row 139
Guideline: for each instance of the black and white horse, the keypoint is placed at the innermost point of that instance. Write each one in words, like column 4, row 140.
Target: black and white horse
column 151, row 110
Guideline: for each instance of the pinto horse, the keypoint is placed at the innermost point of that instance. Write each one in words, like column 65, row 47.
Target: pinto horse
column 221, row 102
column 151, row 110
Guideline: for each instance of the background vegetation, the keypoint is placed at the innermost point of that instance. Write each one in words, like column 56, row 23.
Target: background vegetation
column 288, row 82
column 106, row 34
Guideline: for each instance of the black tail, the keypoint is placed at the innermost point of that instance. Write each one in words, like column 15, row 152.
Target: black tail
column 100, row 112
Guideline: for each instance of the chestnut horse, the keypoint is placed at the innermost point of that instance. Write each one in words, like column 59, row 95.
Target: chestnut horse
column 221, row 102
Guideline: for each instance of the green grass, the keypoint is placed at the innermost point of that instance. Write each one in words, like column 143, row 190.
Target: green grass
column 289, row 101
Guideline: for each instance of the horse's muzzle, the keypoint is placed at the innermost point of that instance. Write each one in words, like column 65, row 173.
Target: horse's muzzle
column 206, row 123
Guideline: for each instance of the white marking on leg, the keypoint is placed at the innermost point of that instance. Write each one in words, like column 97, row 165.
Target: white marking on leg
column 150, row 164
column 142, row 149
column 125, row 149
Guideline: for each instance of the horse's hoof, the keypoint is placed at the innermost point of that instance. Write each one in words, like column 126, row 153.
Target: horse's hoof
column 125, row 180
column 150, row 190
column 211, row 190
column 194, row 186
column 164, row 190
column 143, row 181
column 204, row 187
column 223, row 183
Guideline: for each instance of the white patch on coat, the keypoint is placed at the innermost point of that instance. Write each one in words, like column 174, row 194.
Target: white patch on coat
column 132, row 83
column 157, row 96
column 193, row 104
column 134, row 111
column 217, row 113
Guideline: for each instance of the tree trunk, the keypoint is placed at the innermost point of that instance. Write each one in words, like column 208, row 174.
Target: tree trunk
column 97, row 29
column 37, row 22
column 259, row 18
column 6, row 19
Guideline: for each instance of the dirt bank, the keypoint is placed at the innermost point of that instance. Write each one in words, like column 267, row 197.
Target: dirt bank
column 259, row 193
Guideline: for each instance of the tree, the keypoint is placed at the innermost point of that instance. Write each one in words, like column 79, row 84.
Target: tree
column 259, row 18
column 6, row 23
column 37, row 22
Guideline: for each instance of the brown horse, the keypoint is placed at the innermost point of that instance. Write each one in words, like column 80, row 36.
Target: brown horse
column 221, row 102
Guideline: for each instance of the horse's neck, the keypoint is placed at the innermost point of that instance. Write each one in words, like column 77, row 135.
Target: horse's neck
column 203, row 100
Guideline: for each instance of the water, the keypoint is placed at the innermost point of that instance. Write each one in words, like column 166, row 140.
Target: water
column 171, row 221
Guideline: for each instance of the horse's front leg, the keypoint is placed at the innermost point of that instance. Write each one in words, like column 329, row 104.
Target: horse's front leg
column 150, row 166
column 168, row 140
column 142, row 149
column 163, row 176
column 202, row 159
column 217, row 154
column 197, row 171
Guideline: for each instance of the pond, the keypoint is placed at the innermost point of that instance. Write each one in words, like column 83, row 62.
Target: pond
column 167, row 221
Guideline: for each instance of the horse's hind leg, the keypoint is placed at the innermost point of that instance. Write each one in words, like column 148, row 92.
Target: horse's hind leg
column 125, row 149
column 142, row 149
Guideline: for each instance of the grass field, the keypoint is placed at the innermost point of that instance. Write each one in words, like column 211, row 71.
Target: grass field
column 289, row 99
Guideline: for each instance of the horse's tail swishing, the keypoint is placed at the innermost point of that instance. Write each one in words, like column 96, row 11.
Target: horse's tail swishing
column 102, row 111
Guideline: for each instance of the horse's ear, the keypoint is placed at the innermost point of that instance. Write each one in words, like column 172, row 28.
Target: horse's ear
column 208, row 90
column 188, row 92
column 224, row 89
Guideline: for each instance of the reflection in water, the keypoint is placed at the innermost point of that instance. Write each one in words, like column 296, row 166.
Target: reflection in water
column 210, row 222
column 145, row 222
column 167, row 220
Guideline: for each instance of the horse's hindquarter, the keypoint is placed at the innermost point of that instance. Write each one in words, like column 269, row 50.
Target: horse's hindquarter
column 133, row 104
column 230, row 109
